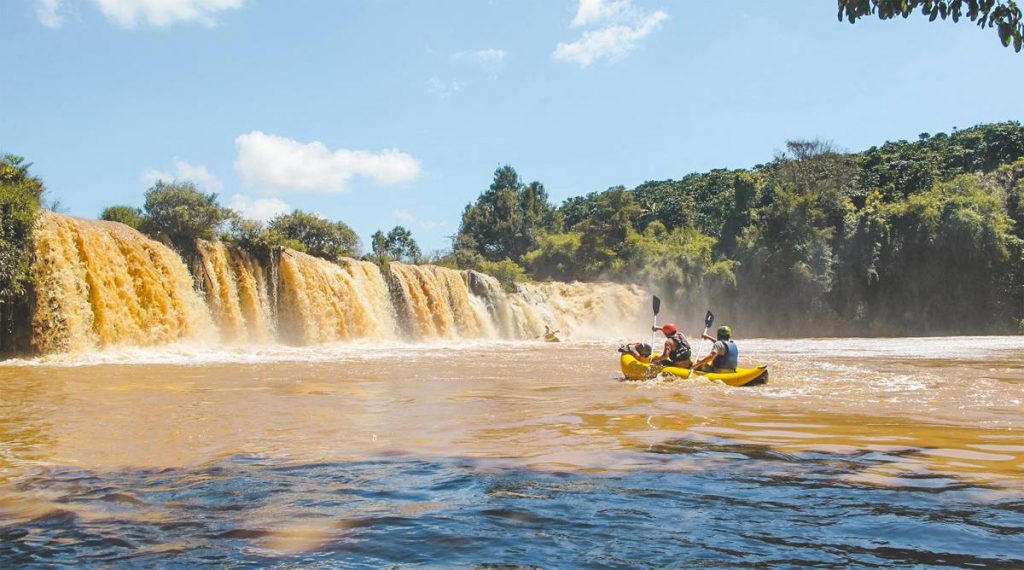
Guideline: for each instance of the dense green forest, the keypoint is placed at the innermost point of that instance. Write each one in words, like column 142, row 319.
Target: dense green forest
column 921, row 237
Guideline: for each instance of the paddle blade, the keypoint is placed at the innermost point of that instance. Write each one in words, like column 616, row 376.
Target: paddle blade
column 709, row 319
column 656, row 305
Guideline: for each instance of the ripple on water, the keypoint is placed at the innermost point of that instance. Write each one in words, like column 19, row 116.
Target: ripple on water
column 766, row 507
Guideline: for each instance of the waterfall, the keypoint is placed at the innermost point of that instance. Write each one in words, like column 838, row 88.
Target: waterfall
column 587, row 310
column 321, row 301
column 437, row 303
column 102, row 284
column 237, row 292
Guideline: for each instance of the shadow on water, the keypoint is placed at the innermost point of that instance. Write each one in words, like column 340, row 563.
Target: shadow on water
column 731, row 505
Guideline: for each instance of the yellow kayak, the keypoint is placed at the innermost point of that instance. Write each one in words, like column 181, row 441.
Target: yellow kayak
column 633, row 369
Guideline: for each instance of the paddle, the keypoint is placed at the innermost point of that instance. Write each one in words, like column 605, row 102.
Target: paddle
column 656, row 305
column 709, row 319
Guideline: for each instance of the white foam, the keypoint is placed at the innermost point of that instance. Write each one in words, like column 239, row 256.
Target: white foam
column 189, row 354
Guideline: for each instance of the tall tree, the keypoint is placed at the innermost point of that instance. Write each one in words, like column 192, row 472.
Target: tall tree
column 379, row 245
column 505, row 221
column 398, row 244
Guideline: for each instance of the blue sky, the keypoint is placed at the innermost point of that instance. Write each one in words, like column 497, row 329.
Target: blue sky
column 390, row 112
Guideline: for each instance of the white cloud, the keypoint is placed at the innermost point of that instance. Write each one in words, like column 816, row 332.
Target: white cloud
column 442, row 89
column 49, row 13
column 490, row 56
column 128, row 13
column 626, row 26
column 131, row 13
column 592, row 11
column 261, row 209
column 183, row 171
column 403, row 215
column 274, row 163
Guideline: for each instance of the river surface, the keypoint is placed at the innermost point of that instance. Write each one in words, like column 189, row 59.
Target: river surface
column 865, row 452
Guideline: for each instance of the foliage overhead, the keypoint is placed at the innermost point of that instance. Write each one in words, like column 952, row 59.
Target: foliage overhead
column 1003, row 15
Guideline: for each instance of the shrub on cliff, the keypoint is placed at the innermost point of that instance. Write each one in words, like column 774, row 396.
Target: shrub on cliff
column 131, row 217
column 314, row 235
column 506, row 271
column 180, row 214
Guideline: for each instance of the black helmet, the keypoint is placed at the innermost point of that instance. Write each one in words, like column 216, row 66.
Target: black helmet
column 643, row 349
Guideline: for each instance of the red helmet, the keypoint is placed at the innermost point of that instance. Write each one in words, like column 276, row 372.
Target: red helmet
column 669, row 328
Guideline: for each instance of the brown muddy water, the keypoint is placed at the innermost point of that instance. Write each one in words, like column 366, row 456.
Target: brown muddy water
column 857, row 452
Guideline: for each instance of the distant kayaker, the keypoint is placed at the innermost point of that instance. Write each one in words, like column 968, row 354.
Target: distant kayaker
column 724, row 355
column 550, row 335
column 677, row 350
column 640, row 350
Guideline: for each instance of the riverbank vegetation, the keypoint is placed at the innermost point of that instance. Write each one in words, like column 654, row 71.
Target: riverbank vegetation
column 178, row 214
column 21, row 196
column 921, row 237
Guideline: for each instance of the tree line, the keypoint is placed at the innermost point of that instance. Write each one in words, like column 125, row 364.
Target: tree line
column 178, row 214
column 921, row 237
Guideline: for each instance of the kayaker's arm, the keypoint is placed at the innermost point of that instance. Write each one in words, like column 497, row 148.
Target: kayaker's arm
column 717, row 349
column 706, row 360
column 665, row 351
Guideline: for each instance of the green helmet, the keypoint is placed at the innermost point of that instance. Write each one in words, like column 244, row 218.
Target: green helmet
column 724, row 332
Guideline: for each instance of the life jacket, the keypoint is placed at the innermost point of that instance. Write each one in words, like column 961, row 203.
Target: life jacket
column 731, row 357
column 681, row 351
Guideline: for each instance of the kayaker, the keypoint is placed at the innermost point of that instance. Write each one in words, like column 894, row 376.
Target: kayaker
column 640, row 350
column 550, row 335
column 724, row 355
column 677, row 350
